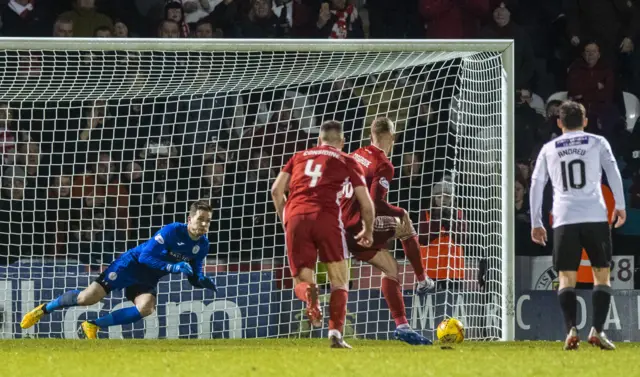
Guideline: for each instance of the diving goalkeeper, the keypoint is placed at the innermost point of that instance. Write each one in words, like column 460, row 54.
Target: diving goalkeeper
column 177, row 248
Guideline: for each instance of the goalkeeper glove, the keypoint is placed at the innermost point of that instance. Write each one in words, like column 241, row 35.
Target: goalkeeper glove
column 180, row 267
column 207, row 283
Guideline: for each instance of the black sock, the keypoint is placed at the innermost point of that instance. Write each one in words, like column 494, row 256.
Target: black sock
column 601, row 300
column 568, row 304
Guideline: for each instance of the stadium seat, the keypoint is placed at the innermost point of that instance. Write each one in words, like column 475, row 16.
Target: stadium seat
column 632, row 108
column 558, row 96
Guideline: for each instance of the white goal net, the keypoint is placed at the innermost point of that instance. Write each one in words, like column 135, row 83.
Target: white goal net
column 106, row 141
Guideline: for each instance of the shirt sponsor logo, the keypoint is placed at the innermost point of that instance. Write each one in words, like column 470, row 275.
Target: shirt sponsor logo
column 159, row 239
column 179, row 256
column 384, row 183
column 361, row 160
column 574, row 141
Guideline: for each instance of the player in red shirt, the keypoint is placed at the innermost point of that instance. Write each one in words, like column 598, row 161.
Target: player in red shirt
column 391, row 222
column 313, row 226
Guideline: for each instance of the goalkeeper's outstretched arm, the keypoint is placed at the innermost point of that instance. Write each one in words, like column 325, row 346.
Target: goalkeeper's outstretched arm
column 198, row 279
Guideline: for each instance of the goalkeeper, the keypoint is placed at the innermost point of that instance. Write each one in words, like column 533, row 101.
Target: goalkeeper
column 177, row 248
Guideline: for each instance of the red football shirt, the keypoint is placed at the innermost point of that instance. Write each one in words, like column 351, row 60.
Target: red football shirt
column 318, row 176
column 378, row 173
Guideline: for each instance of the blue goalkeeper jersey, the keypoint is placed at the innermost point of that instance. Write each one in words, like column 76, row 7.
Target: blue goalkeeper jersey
column 150, row 261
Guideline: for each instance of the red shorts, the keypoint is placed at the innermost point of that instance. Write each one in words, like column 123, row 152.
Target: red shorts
column 384, row 230
column 313, row 236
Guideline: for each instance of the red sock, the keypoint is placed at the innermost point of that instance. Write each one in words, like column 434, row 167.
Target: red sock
column 301, row 291
column 338, row 309
column 411, row 249
column 395, row 302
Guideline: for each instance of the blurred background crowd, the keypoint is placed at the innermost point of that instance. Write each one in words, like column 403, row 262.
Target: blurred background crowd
column 89, row 179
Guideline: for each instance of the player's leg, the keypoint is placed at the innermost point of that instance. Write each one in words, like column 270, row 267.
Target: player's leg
column 89, row 296
column 331, row 243
column 406, row 233
column 338, row 273
column 144, row 299
column 597, row 242
column 302, row 255
column 392, row 292
column 567, row 251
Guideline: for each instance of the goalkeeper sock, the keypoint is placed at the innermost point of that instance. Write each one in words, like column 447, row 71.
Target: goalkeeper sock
column 119, row 317
column 395, row 302
column 338, row 308
column 601, row 301
column 65, row 300
column 568, row 303
column 301, row 291
column 411, row 249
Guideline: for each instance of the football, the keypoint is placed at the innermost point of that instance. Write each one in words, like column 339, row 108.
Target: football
column 450, row 331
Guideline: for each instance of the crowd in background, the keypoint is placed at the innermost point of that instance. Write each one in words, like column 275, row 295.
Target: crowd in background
column 89, row 179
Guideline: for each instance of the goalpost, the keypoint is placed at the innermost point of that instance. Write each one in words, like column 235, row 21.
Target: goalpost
column 107, row 140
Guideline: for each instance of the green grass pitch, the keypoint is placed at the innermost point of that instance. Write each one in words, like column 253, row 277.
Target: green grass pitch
column 304, row 357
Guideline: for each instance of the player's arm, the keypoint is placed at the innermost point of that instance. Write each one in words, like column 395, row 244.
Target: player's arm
column 154, row 249
column 379, row 190
column 610, row 167
column 539, row 180
column 199, row 279
column 367, row 210
column 280, row 188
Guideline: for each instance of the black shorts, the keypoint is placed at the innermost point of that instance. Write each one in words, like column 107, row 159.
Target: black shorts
column 130, row 292
column 570, row 239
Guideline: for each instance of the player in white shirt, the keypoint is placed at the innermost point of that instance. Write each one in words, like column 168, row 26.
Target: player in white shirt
column 574, row 161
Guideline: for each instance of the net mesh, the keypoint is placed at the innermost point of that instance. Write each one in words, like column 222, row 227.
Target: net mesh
column 102, row 148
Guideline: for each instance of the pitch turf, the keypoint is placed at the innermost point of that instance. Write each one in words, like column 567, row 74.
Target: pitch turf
column 302, row 358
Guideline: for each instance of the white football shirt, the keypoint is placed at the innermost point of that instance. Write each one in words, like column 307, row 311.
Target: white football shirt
column 574, row 161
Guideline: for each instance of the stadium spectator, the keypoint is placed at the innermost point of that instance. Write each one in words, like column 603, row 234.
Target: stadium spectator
column 86, row 19
column 120, row 29
column 530, row 129
column 7, row 135
column 29, row 158
column 394, row 19
column 614, row 24
column 204, row 29
column 63, row 27
column 103, row 32
column 22, row 227
column 196, row 10
column 591, row 80
column 226, row 14
column 449, row 19
column 168, row 29
column 173, row 11
column 339, row 20
column 100, row 187
column 260, row 22
column 551, row 116
column 59, row 211
column 284, row 11
column 13, row 183
column 339, row 101
column 503, row 27
column 440, row 232
column 99, row 131
column 280, row 138
column 26, row 18
column 522, row 217
column 212, row 181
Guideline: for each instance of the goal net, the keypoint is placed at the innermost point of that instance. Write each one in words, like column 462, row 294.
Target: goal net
column 106, row 141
